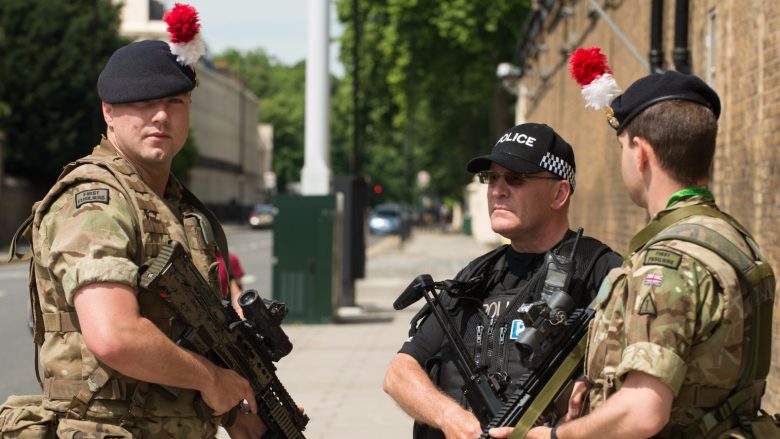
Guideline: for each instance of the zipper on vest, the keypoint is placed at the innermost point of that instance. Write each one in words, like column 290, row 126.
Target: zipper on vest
column 478, row 347
column 490, row 339
column 501, row 348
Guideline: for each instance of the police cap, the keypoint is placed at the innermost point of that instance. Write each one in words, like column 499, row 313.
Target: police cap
column 530, row 148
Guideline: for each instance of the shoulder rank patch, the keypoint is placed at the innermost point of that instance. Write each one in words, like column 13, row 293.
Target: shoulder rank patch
column 664, row 258
column 648, row 307
column 92, row 196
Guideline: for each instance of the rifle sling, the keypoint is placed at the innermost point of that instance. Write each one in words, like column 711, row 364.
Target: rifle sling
column 658, row 225
column 24, row 231
column 561, row 376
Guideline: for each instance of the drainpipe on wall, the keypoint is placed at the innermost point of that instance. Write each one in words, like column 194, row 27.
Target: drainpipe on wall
column 656, row 55
column 681, row 55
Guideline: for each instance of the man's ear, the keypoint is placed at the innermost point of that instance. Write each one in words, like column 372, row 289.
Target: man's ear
column 644, row 153
column 107, row 114
column 562, row 194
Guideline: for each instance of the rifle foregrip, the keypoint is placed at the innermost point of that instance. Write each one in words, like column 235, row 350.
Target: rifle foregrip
column 283, row 419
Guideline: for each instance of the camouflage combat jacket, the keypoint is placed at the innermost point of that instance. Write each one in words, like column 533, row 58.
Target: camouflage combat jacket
column 99, row 223
column 675, row 311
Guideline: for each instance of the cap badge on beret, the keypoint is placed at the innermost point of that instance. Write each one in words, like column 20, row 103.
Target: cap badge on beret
column 611, row 119
column 590, row 69
column 184, row 28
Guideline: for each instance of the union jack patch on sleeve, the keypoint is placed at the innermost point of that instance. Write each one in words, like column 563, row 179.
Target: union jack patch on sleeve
column 654, row 280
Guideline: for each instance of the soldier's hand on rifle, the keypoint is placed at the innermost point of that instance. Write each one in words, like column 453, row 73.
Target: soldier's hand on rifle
column 500, row 432
column 535, row 433
column 247, row 426
column 458, row 423
column 576, row 400
column 226, row 391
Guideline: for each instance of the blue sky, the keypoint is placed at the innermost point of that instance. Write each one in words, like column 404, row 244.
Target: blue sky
column 278, row 26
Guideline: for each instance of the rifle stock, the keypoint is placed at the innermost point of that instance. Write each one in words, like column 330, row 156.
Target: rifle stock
column 214, row 330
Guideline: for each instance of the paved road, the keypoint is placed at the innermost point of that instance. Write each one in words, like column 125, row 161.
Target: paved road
column 254, row 249
column 17, row 376
column 16, row 346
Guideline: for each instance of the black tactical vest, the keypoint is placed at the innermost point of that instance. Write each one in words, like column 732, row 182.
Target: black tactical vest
column 489, row 337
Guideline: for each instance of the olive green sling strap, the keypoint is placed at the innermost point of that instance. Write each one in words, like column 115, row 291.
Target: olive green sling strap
column 658, row 225
column 758, row 281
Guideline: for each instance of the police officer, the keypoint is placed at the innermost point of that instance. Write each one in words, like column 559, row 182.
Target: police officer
column 110, row 365
column 530, row 177
column 678, row 347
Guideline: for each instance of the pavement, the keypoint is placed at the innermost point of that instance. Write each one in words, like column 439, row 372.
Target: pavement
column 335, row 371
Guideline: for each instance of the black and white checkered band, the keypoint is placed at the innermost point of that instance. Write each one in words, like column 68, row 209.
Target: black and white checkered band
column 558, row 166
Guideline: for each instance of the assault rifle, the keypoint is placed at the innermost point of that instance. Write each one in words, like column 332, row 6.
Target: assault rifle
column 552, row 347
column 484, row 393
column 215, row 330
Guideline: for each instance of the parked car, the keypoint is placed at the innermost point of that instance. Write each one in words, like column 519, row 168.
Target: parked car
column 262, row 216
column 386, row 219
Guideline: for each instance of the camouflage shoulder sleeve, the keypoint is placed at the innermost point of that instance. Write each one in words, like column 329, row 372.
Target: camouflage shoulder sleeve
column 672, row 300
column 88, row 236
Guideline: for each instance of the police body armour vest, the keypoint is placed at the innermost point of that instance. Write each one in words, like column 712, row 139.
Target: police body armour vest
column 490, row 337
column 66, row 360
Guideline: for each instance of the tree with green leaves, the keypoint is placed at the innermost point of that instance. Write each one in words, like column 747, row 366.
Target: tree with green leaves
column 52, row 54
column 428, row 85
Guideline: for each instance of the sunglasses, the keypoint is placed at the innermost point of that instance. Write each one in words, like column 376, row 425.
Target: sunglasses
column 512, row 179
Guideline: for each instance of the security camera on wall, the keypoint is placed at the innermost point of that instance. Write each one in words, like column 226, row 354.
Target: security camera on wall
column 509, row 75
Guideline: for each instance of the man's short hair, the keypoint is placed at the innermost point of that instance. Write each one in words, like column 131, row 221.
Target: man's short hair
column 682, row 134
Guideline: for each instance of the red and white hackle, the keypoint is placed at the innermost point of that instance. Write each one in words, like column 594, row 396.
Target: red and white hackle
column 589, row 68
column 184, row 28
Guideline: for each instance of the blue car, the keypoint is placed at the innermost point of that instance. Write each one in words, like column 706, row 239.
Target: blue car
column 386, row 219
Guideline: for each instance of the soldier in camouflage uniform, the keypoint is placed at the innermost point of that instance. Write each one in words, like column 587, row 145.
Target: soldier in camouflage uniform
column 670, row 341
column 111, row 368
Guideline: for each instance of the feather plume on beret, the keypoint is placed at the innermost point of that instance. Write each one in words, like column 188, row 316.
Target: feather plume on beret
column 153, row 69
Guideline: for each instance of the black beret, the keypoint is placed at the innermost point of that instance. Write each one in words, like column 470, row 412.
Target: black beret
column 659, row 87
column 142, row 71
column 530, row 148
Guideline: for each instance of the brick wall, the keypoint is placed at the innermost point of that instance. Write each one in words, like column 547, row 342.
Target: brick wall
column 734, row 44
